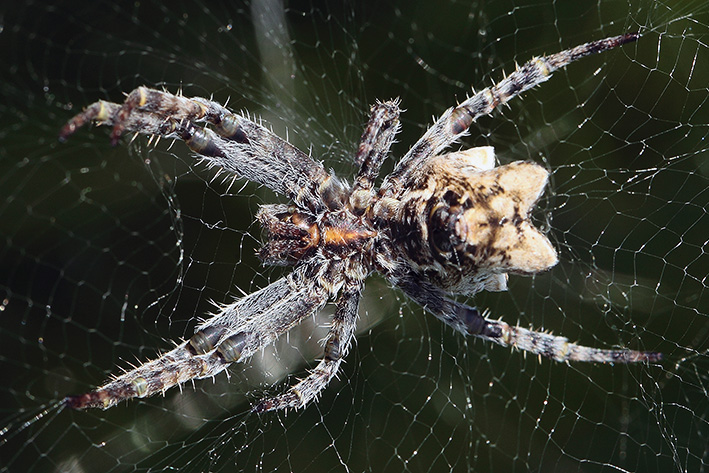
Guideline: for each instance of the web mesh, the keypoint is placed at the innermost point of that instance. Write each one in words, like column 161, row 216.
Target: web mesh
column 110, row 255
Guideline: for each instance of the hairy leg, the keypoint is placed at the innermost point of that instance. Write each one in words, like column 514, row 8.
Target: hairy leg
column 337, row 346
column 469, row 321
column 374, row 145
column 456, row 121
column 236, row 143
column 232, row 334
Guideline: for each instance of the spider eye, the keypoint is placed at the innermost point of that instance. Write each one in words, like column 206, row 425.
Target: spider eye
column 444, row 228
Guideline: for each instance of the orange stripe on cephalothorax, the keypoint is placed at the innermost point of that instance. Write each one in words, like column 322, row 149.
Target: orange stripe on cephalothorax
column 344, row 236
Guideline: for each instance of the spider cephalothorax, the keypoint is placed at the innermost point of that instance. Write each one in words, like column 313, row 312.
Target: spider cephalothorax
column 439, row 225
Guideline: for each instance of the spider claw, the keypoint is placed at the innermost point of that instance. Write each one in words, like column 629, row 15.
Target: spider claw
column 116, row 135
column 66, row 131
column 75, row 123
column 84, row 401
column 291, row 399
column 264, row 405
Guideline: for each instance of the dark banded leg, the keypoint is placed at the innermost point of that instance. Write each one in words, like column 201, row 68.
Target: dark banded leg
column 337, row 346
column 101, row 112
column 159, row 103
column 242, row 146
column 462, row 318
column 456, row 121
column 559, row 348
column 234, row 334
column 374, row 145
column 469, row 321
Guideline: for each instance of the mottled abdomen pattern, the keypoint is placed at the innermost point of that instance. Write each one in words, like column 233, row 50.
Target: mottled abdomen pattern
column 467, row 223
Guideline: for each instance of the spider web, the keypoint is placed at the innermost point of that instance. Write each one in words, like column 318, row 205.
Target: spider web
column 109, row 255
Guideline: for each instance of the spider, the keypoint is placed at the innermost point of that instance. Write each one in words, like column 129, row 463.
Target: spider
column 439, row 225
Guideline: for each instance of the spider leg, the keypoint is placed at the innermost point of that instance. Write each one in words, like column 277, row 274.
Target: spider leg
column 236, row 143
column 456, row 121
column 462, row 318
column 233, row 334
column 101, row 112
column 265, row 159
column 337, row 346
column 374, row 145
column 469, row 321
column 559, row 348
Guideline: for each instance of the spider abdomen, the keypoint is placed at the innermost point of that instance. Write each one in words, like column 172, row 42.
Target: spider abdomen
column 466, row 223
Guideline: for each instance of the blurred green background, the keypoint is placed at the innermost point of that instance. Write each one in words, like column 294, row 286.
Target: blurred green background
column 109, row 254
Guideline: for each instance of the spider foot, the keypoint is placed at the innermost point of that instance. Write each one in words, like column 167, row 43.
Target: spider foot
column 144, row 111
column 560, row 349
column 100, row 112
column 289, row 400
column 161, row 105
column 305, row 391
column 85, row 401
